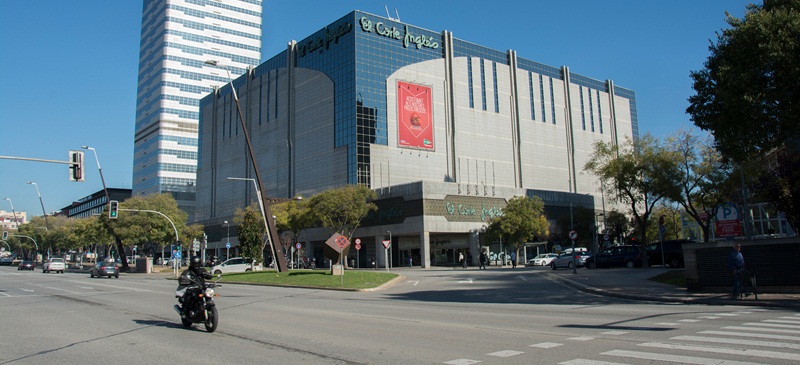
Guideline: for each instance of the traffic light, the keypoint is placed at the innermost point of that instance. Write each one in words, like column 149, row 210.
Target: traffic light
column 76, row 167
column 112, row 209
column 5, row 235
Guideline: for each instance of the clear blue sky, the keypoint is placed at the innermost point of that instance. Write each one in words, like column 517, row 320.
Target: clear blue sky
column 69, row 68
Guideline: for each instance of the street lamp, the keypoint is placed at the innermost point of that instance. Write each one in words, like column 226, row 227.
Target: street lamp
column 277, row 250
column 16, row 222
column 108, row 199
column 40, row 201
column 264, row 216
column 228, row 242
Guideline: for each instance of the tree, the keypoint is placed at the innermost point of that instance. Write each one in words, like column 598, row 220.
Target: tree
column 251, row 233
column 292, row 216
column 701, row 177
column 341, row 209
column 748, row 96
column 522, row 220
column 635, row 174
column 780, row 184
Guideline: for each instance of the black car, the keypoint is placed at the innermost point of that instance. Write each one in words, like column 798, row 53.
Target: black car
column 105, row 268
column 617, row 256
column 25, row 265
column 673, row 253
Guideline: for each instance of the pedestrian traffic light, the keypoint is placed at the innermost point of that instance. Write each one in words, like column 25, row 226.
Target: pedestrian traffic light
column 76, row 166
column 112, row 209
column 5, row 235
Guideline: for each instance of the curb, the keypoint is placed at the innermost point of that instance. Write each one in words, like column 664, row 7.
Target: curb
column 715, row 300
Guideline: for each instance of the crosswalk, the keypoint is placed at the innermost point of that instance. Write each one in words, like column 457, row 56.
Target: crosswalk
column 773, row 340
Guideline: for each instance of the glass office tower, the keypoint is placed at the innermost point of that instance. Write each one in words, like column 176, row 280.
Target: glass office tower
column 178, row 37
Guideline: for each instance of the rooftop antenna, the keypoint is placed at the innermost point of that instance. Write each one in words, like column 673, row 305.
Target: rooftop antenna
column 389, row 16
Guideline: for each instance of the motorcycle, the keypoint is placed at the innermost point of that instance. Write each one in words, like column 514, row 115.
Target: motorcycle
column 307, row 263
column 201, row 308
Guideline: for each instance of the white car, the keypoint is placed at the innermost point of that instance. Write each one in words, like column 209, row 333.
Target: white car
column 542, row 260
column 55, row 264
column 235, row 264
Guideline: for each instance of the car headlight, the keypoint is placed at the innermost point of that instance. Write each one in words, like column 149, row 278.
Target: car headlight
column 209, row 292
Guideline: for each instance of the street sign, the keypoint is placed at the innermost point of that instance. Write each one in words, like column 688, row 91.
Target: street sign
column 606, row 237
column 573, row 235
column 228, row 245
column 341, row 241
column 358, row 241
column 298, row 245
column 358, row 246
column 386, row 243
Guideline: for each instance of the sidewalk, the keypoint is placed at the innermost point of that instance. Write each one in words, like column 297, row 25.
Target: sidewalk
column 635, row 284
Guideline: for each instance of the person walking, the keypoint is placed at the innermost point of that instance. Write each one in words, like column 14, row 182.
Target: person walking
column 736, row 267
column 461, row 260
column 513, row 260
column 483, row 261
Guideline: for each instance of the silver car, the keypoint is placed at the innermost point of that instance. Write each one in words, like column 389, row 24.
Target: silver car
column 565, row 260
column 542, row 260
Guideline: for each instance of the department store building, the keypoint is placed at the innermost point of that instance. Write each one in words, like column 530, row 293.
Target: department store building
column 444, row 130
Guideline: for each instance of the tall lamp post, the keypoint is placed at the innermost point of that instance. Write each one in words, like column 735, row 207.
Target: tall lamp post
column 40, row 201
column 277, row 250
column 99, row 169
column 228, row 242
column 16, row 222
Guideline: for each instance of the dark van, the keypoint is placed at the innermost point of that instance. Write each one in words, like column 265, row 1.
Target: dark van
column 616, row 256
column 673, row 253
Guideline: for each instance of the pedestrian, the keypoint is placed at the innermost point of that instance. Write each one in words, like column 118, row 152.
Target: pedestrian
column 483, row 261
column 736, row 267
column 513, row 260
column 410, row 261
column 461, row 260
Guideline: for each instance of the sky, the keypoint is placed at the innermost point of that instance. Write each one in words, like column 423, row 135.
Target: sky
column 69, row 68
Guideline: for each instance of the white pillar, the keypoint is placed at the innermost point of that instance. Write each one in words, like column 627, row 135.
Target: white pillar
column 380, row 251
column 425, row 249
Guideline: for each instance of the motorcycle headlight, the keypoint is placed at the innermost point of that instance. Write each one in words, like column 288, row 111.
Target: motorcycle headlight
column 209, row 292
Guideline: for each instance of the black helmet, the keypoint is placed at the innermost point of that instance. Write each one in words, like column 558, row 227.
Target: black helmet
column 196, row 262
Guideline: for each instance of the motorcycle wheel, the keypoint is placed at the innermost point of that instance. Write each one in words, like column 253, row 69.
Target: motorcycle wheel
column 186, row 322
column 212, row 320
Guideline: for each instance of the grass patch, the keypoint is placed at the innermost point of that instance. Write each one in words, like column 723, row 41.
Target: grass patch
column 672, row 277
column 352, row 279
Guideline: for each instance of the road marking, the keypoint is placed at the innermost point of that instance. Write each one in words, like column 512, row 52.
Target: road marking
column 85, row 287
column 27, row 290
column 782, row 321
column 709, row 317
column 68, row 291
column 588, row 362
column 734, row 341
column 673, row 358
column 522, row 278
column 468, row 281
column 413, row 281
column 614, row 333
column 546, row 345
column 667, row 324
column 462, row 362
column 720, row 350
column 726, row 314
column 689, row 320
column 505, row 353
column 762, row 329
column 582, row 338
column 776, row 325
column 753, row 335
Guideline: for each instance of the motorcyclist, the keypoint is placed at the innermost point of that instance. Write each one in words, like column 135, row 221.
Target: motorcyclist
column 190, row 281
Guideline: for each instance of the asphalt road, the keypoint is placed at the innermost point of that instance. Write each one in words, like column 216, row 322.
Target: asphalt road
column 431, row 317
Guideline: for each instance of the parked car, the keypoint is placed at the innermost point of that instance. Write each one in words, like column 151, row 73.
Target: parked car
column 25, row 265
column 56, row 264
column 617, row 256
column 235, row 264
column 542, row 259
column 673, row 253
column 565, row 260
column 7, row 260
column 105, row 268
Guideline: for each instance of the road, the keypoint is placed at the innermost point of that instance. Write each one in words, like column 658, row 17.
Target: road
column 432, row 317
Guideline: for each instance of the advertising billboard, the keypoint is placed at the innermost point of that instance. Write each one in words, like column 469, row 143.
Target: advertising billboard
column 414, row 116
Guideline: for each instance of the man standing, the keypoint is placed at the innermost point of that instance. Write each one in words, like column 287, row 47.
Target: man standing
column 736, row 266
column 513, row 260
column 461, row 260
column 483, row 260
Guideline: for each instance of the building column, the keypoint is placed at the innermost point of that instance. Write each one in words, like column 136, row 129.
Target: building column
column 380, row 252
column 475, row 245
column 425, row 249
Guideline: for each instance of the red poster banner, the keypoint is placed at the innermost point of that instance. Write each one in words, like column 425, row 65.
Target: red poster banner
column 414, row 116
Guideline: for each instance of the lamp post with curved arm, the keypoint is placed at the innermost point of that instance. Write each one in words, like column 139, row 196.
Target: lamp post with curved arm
column 99, row 169
column 16, row 222
column 40, row 201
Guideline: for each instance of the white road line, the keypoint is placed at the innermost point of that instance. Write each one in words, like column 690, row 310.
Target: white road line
column 721, row 350
column 734, row 341
column 27, row 290
column 582, row 338
column 468, row 281
column 726, row 314
column 674, row 358
column 761, row 329
column 588, row 362
column 5, row 294
column 775, row 325
column 782, row 321
column 462, row 362
column 522, row 278
column 546, row 345
column 614, row 333
column 68, row 291
column 413, row 281
column 751, row 335
column 689, row 320
column 709, row 317
column 667, row 324
column 505, row 353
